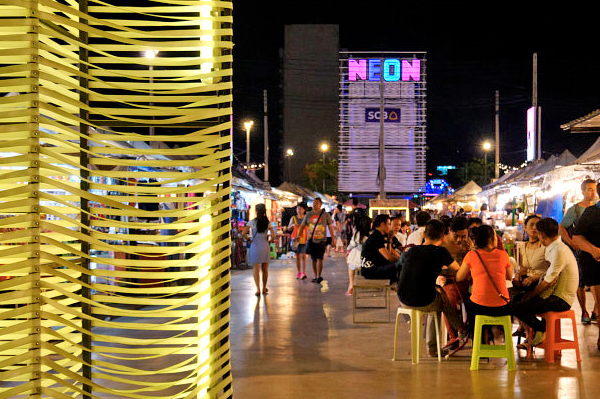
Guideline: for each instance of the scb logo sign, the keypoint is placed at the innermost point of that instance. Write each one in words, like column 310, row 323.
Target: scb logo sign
column 389, row 115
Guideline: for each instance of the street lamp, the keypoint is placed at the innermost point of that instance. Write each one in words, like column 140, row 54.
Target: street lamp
column 248, row 126
column 289, row 153
column 486, row 147
column 151, row 54
column 324, row 147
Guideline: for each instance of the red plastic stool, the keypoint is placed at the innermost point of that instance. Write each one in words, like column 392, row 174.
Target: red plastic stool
column 554, row 343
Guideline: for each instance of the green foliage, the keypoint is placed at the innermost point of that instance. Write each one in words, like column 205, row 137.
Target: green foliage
column 318, row 171
column 472, row 170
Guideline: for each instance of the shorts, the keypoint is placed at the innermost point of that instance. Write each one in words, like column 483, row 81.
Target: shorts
column 316, row 250
column 301, row 249
column 328, row 240
column 590, row 271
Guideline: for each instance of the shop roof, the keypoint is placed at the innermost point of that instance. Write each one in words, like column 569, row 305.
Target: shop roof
column 589, row 123
column 591, row 155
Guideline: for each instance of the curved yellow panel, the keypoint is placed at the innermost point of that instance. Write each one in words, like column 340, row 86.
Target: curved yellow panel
column 115, row 152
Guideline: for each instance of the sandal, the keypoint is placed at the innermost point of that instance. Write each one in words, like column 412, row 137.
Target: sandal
column 257, row 293
column 265, row 291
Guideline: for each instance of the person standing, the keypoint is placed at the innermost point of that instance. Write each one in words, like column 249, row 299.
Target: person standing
column 586, row 237
column 259, row 252
column 354, row 257
column 317, row 222
column 299, row 240
column 566, row 227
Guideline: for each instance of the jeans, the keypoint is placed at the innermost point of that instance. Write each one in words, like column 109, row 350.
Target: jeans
column 389, row 271
column 527, row 310
column 440, row 304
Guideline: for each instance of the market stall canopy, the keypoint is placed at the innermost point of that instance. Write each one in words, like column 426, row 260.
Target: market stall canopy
column 589, row 123
column 564, row 159
column 468, row 189
column 591, row 155
column 467, row 193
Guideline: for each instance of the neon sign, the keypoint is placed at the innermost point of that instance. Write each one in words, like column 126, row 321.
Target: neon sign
column 393, row 70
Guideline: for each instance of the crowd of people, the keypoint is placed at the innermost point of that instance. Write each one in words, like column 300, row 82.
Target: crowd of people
column 455, row 260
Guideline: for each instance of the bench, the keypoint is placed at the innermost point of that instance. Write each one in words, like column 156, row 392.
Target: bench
column 373, row 289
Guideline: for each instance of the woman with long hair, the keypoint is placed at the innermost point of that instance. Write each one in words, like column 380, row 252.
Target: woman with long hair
column 362, row 227
column 259, row 252
column 489, row 268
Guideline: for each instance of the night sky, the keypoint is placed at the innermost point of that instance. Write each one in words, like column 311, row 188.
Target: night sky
column 474, row 48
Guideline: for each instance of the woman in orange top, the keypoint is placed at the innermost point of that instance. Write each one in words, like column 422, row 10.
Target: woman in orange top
column 489, row 295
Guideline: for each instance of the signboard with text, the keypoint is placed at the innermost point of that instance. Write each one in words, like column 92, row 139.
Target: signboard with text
column 395, row 82
column 391, row 115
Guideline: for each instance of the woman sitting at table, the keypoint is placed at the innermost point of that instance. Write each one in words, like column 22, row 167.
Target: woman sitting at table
column 489, row 268
column 532, row 263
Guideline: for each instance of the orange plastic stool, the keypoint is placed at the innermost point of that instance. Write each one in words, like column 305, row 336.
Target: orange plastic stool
column 554, row 343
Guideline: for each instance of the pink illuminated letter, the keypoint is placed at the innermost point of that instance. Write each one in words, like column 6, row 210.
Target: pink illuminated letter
column 357, row 68
column 411, row 71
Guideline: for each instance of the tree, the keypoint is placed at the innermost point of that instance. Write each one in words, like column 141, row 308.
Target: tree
column 320, row 171
column 472, row 170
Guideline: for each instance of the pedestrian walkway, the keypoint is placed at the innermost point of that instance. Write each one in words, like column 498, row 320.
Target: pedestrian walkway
column 299, row 342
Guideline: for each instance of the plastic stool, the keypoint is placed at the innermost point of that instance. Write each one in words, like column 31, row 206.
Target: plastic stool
column 554, row 343
column 505, row 351
column 416, row 332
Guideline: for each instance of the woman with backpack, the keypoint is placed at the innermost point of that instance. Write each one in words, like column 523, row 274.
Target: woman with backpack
column 259, row 252
column 362, row 227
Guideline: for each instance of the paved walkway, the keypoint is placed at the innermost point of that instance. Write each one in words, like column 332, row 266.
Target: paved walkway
column 299, row 342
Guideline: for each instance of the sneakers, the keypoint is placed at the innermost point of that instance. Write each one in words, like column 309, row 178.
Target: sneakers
column 314, row 280
column 538, row 338
column 433, row 353
column 298, row 276
column 585, row 318
column 302, row 276
column 593, row 318
column 319, row 279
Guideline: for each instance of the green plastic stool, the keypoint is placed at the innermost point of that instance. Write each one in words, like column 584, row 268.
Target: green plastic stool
column 273, row 251
column 506, row 351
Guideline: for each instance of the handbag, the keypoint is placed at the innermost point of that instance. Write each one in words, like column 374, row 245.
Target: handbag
column 354, row 256
column 311, row 244
column 295, row 242
column 491, row 279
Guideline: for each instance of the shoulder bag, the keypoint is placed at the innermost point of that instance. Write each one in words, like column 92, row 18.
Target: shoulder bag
column 491, row 279
column 310, row 244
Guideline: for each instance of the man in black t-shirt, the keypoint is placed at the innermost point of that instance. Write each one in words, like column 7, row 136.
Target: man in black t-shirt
column 420, row 267
column 378, row 262
column 586, row 237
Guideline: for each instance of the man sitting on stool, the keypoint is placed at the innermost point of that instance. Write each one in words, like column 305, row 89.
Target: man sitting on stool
column 378, row 262
column 557, row 290
column 420, row 267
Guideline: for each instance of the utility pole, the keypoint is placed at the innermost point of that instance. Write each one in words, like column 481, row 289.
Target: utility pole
column 266, row 123
column 381, row 135
column 497, row 117
column 538, row 132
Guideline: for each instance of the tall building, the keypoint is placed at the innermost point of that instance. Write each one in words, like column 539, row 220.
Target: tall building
column 310, row 94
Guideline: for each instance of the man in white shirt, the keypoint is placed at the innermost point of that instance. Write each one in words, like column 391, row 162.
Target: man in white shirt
column 557, row 290
column 417, row 236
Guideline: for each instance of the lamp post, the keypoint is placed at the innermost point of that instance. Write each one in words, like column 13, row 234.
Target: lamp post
column 151, row 54
column 289, row 153
column 486, row 147
column 248, row 126
column 324, row 147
